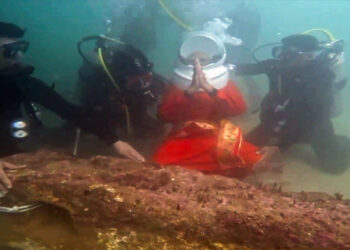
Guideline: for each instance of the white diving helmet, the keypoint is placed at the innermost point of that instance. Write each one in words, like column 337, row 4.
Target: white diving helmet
column 213, row 48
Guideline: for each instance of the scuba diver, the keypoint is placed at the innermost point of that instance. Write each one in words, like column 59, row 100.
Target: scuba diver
column 301, row 100
column 19, row 90
column 117, row 79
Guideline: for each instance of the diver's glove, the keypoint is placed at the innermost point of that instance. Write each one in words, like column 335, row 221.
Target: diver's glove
column 267, row 153
column 128, row 151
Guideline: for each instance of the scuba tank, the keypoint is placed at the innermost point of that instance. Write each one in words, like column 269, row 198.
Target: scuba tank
column 103, row 45
column 334, row 56
column 118, row 60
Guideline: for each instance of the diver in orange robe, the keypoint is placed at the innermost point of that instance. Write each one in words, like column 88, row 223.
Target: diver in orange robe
column 202, row 138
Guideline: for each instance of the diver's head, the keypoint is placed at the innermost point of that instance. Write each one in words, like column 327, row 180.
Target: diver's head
column 11, row 45
column 132, row 68
column 298, row 50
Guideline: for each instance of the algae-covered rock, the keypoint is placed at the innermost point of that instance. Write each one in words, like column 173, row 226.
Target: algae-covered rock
column 133, row 203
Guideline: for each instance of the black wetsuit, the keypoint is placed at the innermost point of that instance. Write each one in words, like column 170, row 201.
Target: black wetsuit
column 99, row 93
column 297, row 110
column 18, row 88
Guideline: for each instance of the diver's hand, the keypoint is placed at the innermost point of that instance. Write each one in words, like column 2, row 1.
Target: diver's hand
column 195, row 84
column 202, row 80
column 128, row 151
column 5, row 182
column 267, row 154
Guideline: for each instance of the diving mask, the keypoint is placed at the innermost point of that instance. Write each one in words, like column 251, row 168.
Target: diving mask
column 292, row 53
column 326, row 52
column 11, row 49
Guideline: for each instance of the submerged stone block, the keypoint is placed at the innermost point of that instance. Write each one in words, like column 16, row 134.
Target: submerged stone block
column 185, row 205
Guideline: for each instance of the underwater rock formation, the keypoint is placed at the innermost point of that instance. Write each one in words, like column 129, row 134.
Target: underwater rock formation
column 179, row 203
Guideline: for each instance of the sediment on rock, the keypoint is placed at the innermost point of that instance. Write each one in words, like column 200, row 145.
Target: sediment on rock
column 108, row 192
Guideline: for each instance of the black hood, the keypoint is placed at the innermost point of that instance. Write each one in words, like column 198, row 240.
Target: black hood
column 129, row 61
column 305, row 43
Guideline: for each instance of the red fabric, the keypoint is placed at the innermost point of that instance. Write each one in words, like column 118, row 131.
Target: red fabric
column 191, row 152
column 199, row 153
column 198, row 150
column 177, row 107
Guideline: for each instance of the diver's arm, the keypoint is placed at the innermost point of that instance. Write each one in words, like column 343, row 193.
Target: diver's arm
column 229, row 101
column 263, row 67
column 91, row 121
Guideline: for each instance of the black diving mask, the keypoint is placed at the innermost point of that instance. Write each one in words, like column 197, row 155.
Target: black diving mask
column 326, row 52
column 11, row 49
column 293, row 53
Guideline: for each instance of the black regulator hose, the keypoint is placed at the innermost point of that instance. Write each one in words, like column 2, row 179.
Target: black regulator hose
column 85, row 39
column 261, row 47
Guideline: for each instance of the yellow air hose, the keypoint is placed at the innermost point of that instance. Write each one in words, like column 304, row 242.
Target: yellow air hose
column 324, row 31
column 171, row 14
column 125, row 107
column 100, row 55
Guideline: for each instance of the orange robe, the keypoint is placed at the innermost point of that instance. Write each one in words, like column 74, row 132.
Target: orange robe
column 202, row 138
